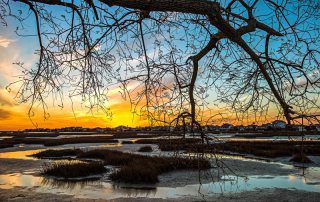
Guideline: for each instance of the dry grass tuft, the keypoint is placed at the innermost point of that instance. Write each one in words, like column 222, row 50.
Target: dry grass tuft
column 72, row 169
column 300, row 158
column 50, row 153
column 143, row 169
column 145, row 149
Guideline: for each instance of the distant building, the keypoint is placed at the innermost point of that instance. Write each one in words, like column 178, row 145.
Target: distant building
column 72, row 129
column 252, row 127
column 226, row 127
column 159, row 128
column 317, row 127
column 279, row 124
column 299, row 128
column 100, row 130
column 211, row 128
column 266, row 126
column 240, row 128
column 122, row 128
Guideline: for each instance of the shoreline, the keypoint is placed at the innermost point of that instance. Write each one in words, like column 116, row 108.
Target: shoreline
column 178, row 180
column 264, row 195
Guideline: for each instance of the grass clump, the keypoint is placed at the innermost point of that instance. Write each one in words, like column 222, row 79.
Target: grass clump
column 64, row 141
column 147, row 169
column 300, row 158
column 134, row 168
column 110, row 157
column 5, row 145
column 174, row 144
column 143, row 169
column 269, row 149
column 145, row 149
column 78, row 140
column 135, row 173
column 127, row 142
column 72, row 169
column 50, row 153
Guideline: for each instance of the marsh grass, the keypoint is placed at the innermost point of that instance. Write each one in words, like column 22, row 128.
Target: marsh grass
column 136, row 168
column 78, row 140
column 6, row 145
column 171, row 144
column 111, row 157
column 145, row 149
column 63, row 141
column 269, row 149
column 73, row 168
column 136, row 173
column 147, row 170
column 300, row 158
column 127, row 142
column 66, row 184
column 50, row 153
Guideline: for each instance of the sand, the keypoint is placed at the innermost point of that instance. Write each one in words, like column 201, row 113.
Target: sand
column 8, row 166
column 240, row 167
column 267, row 195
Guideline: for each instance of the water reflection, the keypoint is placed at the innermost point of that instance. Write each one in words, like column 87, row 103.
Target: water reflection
column 20, row 154
column 76, row 135
column 135, row 191
column 67, row 184
column 17, row 179
column 104, row 189
column 25, row 151
column 99, row 189
column 5, row 137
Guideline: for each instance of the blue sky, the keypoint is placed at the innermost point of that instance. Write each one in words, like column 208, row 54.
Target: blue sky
column 15, row 48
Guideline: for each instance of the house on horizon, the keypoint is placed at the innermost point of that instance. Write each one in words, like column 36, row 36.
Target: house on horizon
column 100, row 130
column 266, row 126
column 226, row 127
column 122, row 128
column 240, row 127
column 252, row 126
column 209, row 128
column 316, row 127
column 279, row 124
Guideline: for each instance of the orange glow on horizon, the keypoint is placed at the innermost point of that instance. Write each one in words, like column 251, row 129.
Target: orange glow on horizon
column 17, row 118
column 14, row 116
column 65, row 118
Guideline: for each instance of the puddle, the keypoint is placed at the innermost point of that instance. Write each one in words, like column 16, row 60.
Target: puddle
column 25, row 155
column 5, row 137
column 107, row 190
column 76, row 135
column 26, row 150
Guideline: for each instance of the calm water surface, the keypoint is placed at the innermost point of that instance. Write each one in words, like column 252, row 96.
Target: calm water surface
column 105, row 189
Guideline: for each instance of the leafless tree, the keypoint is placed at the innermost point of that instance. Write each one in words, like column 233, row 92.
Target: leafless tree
column 170, row 55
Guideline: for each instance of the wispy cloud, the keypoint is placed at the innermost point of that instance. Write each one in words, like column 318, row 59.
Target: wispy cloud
column 5, row 98
column 4, row 114
column 5, row 42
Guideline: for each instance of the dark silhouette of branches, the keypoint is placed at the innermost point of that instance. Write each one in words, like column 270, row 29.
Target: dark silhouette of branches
column 169, row 55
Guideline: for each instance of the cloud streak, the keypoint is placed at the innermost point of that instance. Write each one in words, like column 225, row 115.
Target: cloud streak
column 4, row 114
column 5, row 42
column 5, row 99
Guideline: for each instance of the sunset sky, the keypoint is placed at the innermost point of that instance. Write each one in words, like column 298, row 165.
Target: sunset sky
column 14, row 116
